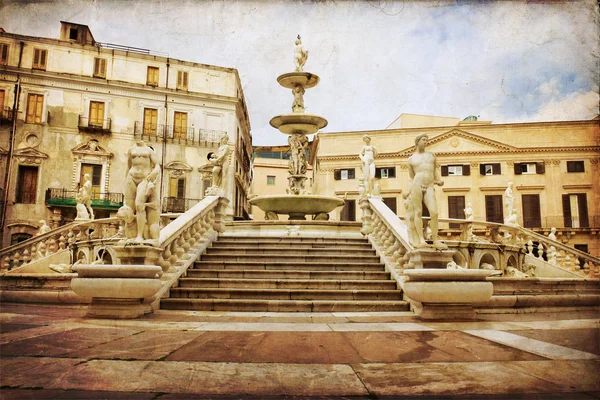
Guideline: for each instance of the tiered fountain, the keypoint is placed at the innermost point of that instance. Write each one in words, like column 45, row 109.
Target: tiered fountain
column 297, row 203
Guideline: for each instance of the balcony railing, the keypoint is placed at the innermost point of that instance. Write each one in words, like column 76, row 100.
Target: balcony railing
column 174, row 134
column 6, row 114
column 61, row 197
column 176, row 205
column 210, row 135
column 149, row 132
column 178, row 134
column 93, row 124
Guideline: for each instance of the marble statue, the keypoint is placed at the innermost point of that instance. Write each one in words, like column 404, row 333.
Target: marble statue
column 409, row 219
column 141, row 193
column 85, row 195
column 367, row 156
column 300, row 55
column 423, row 176
column 515, row 273
column 509, row 199
column 512, row 219
column 82, row 212
column 469, row 212
column 552, row 234
column 298, row 144
column 218, row 162
column 44, row 228
column 453, row 265
column 298, row 104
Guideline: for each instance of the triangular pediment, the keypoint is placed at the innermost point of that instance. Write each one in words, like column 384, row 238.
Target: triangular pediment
column 93, row 148
column 30, row 152
column 459, row 141
column 178, row 165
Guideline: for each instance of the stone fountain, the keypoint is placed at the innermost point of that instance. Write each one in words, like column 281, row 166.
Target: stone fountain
column 297, row 203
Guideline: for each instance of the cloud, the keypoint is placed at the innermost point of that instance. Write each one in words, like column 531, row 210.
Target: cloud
column 576, row 106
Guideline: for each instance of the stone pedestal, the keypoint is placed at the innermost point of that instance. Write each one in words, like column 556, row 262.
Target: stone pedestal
column 137, row 254
column 448, row 294
column 430, row 258
column 118, row 291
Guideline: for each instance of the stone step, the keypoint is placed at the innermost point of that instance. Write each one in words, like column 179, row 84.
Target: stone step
column 327, row 284
column 275, row 239
column 291, row 251
column 284, row 294
column 283, row 305
column 286, row 274
column 268, row 258
column 314, row 266
column 286, row 245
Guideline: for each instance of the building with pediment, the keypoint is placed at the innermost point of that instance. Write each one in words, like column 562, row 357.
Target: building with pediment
column 553, row 167
column 72, row 105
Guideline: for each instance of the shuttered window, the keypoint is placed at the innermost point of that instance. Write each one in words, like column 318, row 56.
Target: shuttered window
column 452, row 170
column 180, row 127
column 100, row 67
column 35, row 106
column 96, row 114
column 39, row 59
column 490, row 169
column 391, row 202
column 575, row 211
column 150, row 120
column 530, row 168
column 182, row 80
column 493, row 209
column 456, row 209
column 348, row 211
column 152, row 76
column 177, row 187
column 575, row 166
column 343, row 174
column 27, row 187
column 3, row 53
column 386, row 172
column 531, row 211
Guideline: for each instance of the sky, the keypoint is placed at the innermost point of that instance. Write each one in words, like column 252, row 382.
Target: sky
column 504, row 61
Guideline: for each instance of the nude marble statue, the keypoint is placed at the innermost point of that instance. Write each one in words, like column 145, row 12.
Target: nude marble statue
column 300, row 55
column 423, row 176
column 509, row 199
column 85, row 195
column 367, row 156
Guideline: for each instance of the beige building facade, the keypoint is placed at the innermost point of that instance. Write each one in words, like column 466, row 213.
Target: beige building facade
column 72, row 106
column 553, row 167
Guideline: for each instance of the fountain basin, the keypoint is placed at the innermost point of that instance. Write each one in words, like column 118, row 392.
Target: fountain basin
column 297, row 206
column 298, row 123
column 293, row 79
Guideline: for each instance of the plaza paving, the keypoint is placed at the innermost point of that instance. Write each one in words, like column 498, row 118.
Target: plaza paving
column 56, row 353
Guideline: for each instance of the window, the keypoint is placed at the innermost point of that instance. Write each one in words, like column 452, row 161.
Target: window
column 530, row 168
column 182, row 80
column 348, row 212
column 456, row 209
column 150, row 119
column 3, row 53
column 100, row 67
column 205, row 185
column 17, row 238
column 387, row 172
column 39, row 59
column 177, row 187
column 391, row 203
column 96, row 114
column 270, row 180
column 152, row 76
column 575, row 166
column 489, row 169
column 35, row 106
column 531, row 211
column 27, row 185
column 456, row 170
column 180, row 127
column 95, row 172
column 343, row 174
column 493, row 209
column 73, row 33
column 575, row 210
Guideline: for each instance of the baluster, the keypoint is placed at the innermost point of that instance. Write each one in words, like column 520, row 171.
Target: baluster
column 71, row 237
column 560, row 258
column 567, row 262
column 163, row 261
column 198, row 230
column 16, row 259
column 540, row 252
column 5, row 262
column 586, row 268
column 51, row 246
column 529, row 247
column 33, row 252
column 388, row 241
column 26, row 258
column 62, row 242
column 552, row 255
column 394, row 252
column 186, row 240
column 577, row 263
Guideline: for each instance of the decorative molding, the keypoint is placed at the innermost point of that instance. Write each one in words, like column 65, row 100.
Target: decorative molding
column 474, row 164
column 179, row 167
column 92, row 148
column 447, row 189
column 30, row 156
column 551, row 162
column 594, row 161
column 530, row 187
column 510, row 163
column 579, row 186
column 403, row 166
column 493, row 189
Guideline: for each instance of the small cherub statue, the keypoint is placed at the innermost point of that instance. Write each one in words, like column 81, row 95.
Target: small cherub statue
column 300, row 55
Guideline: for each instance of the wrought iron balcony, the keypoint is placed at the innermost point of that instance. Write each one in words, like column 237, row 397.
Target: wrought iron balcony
column 94, row 125
column 176, row 205
column 61, row 197
column 6, row 115
column 210, row 135
column 149, row 132
column 178, row 134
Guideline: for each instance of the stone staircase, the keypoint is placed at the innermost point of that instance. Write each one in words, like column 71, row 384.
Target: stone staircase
column 287, row 274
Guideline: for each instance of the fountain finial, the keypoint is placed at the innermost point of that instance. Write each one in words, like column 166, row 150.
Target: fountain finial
column 300, row 55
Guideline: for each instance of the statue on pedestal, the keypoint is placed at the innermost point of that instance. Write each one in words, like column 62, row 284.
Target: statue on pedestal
column 218, row 161
column 84, row 200
column 469, row 217
column 423, row 175
column 298, row 104
column 509, row 199
column 298, row 144
column 141, row 194
column 552, row 234
column 300, row 55
column 367, row 156
column 44, row 228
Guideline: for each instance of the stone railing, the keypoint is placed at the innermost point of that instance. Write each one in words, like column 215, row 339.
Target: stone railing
column 62, row 238
column 390, row 235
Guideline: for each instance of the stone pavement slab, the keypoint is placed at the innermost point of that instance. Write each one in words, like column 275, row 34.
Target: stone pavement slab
column 587, row 340
column 575, row 375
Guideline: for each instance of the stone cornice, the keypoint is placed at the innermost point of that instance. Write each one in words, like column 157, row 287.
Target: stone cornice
column 450, row 189
column 492, row 188
column 530, row 187
column 576, row 187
